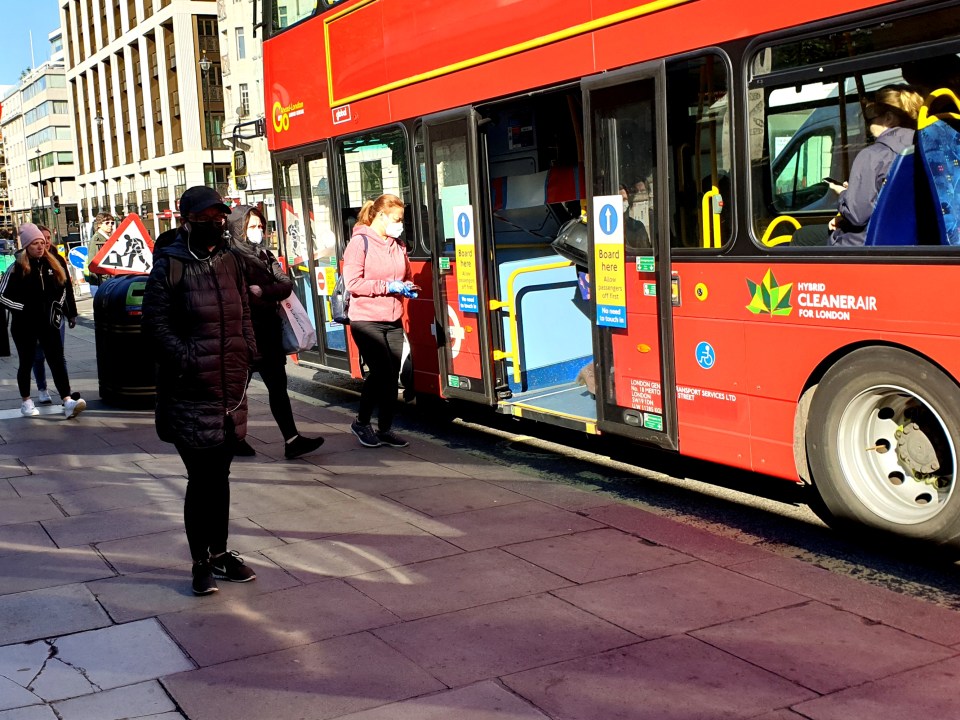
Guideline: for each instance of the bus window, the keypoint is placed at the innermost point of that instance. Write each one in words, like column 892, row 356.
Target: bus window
column 698, row 135
column 807, row 101
column 285, row 13
column 290, row 209
column 371, row 165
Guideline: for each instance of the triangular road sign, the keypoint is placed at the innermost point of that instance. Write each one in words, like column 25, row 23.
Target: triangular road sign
column 129, row 251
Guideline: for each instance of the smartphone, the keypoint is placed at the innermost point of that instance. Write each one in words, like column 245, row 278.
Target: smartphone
column 832, row 180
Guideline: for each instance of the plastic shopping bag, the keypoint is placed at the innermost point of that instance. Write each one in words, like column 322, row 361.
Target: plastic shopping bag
column 298, row 331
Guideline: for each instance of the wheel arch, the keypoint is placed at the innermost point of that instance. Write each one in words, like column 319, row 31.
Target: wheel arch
column 805, row 399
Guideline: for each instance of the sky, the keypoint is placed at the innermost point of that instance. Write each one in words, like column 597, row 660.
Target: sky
column 20, row 18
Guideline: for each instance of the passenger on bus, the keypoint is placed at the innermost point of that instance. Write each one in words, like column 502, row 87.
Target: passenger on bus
column 891, row 119
column 377, row 274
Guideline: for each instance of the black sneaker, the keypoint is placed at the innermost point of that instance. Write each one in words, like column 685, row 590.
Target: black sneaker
column 301, row 445
column 365, row 434
column 388, row 438
column 230, row 566
column 243, row 449
column 203, row 582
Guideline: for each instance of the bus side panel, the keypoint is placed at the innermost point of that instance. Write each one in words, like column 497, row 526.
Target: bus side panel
column 419, row 325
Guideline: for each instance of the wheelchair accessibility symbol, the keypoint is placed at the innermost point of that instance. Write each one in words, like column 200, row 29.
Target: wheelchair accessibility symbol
column 706, row 356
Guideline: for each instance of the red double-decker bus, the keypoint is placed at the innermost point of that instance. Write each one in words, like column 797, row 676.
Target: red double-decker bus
column 601, row 199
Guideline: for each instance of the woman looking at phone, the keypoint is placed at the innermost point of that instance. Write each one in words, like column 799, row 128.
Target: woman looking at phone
column 891, row 119
column 377, row 274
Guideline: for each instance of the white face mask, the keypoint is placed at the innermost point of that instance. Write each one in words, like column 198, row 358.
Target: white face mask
column 255, row 235
column 626, row 205
column 394, row 229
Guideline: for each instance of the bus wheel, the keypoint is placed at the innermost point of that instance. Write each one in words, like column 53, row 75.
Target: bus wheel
column 882, row 440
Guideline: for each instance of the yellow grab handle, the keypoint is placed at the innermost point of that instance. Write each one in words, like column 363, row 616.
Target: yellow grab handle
column 771, row 242
column 924, row 119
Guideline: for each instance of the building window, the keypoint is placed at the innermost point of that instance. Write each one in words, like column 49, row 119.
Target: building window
column 241, row 45
column 244, row 100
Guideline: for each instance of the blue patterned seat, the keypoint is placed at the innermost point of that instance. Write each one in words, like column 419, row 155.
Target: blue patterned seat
column 938, row 142
column 894, row 219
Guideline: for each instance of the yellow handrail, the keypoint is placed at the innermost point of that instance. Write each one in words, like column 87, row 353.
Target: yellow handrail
column 766, row 240
column 514, row 354
column 923, row 120
column 707, row 211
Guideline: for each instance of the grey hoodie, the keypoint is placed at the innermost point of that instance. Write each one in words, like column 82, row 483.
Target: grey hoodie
column 867, row 176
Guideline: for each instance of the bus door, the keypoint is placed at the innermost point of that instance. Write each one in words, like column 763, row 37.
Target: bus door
column 309, row 252
column 631, row 283
column 460, row 249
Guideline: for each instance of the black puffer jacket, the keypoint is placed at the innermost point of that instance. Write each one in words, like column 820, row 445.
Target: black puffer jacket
column 260, row 267
column 196, row 313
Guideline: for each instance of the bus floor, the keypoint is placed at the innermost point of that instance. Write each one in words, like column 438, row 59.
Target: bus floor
column 569, row 400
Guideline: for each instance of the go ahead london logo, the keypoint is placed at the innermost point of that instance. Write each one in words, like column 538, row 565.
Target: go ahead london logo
column 769, row 297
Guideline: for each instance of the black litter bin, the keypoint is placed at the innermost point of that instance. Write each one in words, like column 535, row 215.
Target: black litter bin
column 125, row 364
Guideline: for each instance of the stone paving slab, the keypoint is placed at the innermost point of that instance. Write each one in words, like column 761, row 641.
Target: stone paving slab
column 822, row 648
column 596, row 555
column 493, row 640
column 678, row 598
column 114, row 524
column 123, row 703
column 322, row 680
column 253, row 625
column 455, row 498
column 20, row 510
column 504, row 525
column 454, row 583
column 927, row 692
column 483, row 701
column 374, row 549
column 44, row 568
column 20, row 538
column 150, row 594
column 675, row 678
column 48, row 612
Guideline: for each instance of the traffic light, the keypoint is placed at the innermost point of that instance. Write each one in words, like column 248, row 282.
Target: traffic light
column 56, row 203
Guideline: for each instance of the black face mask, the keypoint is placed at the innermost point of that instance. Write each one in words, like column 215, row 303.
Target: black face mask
column 204, row 235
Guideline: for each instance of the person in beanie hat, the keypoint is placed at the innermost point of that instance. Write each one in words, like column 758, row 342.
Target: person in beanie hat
column 196, row 314
column 35, row 289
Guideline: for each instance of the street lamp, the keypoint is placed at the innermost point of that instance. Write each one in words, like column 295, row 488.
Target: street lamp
column 205, row 66
column 103, row 160
column 43, row 204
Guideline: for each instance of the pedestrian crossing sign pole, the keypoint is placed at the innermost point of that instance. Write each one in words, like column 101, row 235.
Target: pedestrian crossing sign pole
column 129, row 251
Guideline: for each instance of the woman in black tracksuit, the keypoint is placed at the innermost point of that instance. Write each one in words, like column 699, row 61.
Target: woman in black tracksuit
column 267, row 286
column 35, row 289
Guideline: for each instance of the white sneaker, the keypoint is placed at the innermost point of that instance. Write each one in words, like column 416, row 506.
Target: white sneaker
column 72, row 408
column 43, row 397
column 28, row 409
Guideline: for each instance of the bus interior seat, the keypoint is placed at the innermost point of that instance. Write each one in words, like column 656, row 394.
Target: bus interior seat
column 939, row 146
column 894, row 219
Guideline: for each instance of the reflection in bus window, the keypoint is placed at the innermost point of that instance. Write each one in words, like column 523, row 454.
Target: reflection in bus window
column 290, row 12
column 699, row 138
column 290, row 208
column 371, row 165
column 321, row 213
column 809, row 126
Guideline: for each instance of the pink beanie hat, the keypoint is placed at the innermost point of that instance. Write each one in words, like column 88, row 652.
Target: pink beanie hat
column 29, row 233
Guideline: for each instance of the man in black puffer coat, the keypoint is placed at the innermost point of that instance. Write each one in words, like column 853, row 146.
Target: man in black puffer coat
column 196, row 313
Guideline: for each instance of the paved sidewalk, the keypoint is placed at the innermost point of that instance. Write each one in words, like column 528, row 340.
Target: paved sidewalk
column 415, row 584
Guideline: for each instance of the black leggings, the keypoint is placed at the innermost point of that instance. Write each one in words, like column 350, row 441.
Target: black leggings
column 206, row 509
column 26, row 335
column 381, row 347
column 275, row 378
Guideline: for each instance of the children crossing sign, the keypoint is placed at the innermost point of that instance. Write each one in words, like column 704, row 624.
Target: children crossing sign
column 129, row 251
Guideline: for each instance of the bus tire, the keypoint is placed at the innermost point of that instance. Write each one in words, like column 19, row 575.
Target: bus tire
column 882, row 442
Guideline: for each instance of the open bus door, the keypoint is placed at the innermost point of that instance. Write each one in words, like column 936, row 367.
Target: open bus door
column 459, row 247
column 631, row 284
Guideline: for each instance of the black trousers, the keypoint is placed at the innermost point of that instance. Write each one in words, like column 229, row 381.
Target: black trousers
column 274, row 376
column 26, row 336
column 206, row 509
column 381, row 346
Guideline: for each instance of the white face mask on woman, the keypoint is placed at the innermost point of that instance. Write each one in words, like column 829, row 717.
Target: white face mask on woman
column 394, row 229
column 255, row 235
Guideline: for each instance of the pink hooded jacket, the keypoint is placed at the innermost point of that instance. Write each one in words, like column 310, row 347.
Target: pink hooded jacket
column 366, row 275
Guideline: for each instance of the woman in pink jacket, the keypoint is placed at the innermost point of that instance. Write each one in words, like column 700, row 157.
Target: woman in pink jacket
column 377, row 274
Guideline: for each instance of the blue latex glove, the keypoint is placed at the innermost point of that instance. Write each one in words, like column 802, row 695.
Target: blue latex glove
column 395, row 287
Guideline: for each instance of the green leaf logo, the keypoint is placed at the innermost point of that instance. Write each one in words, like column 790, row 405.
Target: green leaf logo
column 769, row 297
